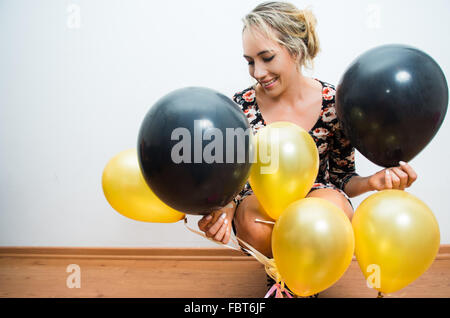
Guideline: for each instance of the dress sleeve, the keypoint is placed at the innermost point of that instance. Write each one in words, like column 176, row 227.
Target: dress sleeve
column 341, row 159
column 246, row 191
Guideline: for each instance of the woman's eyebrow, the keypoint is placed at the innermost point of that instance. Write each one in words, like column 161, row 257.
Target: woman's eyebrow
column 260, row 53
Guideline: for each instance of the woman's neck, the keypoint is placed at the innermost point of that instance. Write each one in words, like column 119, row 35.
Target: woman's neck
column 301, row 89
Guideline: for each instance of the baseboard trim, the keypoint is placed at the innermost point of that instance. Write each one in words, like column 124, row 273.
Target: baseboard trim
column 131, row 253
column 174, row 272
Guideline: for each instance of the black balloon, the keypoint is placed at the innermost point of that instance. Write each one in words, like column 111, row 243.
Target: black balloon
column 391, row 102
column 183, row 148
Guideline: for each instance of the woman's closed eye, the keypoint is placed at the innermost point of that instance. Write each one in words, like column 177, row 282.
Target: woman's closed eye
column 265, row 60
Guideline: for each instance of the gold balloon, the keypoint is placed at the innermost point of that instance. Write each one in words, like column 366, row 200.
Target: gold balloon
column 312, row 245
column 397, row 239
column 287, row 163
column 128, row 193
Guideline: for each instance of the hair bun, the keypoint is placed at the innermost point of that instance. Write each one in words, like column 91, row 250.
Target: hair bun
column 309, row 22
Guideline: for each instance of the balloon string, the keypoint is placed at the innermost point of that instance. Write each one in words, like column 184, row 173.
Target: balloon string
column 203, row 235
column 269, row 263
column 262, row 221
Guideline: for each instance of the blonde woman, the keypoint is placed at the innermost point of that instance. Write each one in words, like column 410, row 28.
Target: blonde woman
column 279, row 40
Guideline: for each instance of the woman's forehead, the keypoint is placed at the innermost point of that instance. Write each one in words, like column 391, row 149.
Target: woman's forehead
column 255, row 41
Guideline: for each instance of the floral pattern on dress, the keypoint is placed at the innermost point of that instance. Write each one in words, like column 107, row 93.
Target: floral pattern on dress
column 336, row 154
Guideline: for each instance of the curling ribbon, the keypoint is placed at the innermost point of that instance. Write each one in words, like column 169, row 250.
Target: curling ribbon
column 279, row 292
column 269, row 263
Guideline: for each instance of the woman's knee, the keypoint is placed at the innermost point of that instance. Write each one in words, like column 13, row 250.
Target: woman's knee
column 257, row 234
column 334, row 197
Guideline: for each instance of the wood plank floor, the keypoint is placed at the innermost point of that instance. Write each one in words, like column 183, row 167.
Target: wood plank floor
column 173, row 273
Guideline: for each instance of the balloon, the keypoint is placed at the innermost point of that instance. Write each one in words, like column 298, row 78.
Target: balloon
column 187, row 151
column 312, row 245
column 126, row 191
column 391, row 101
column 286, row 166
column 397, row 238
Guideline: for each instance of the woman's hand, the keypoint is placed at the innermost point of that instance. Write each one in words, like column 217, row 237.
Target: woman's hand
column 217, row 225
column 400, row 177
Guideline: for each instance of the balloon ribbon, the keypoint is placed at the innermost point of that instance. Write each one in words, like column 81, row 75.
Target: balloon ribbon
column 279, row 291
column 269, row 263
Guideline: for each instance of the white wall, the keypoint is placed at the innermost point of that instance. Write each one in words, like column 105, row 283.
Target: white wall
column 72, row 96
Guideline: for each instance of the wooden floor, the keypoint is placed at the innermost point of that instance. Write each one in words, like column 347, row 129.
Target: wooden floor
column 174, row 273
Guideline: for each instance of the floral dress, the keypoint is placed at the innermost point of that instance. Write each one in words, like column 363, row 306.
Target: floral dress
column 336, row 154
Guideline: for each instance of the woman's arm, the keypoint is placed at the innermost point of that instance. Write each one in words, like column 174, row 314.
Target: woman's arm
column 357, row 185
column 341, row 160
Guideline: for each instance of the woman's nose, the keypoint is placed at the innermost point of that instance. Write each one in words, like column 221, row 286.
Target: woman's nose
column 259, row 71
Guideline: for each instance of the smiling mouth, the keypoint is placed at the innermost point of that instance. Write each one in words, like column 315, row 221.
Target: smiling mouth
column 268, row 84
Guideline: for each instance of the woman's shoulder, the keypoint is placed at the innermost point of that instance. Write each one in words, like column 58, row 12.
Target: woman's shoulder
column 326, row 84
column 245, row 97
column 329, row 115
column 328, row 91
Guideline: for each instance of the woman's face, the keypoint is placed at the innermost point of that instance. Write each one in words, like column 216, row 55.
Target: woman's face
column 269, row 63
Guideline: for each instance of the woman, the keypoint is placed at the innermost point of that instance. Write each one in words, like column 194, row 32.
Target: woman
column 278, row 41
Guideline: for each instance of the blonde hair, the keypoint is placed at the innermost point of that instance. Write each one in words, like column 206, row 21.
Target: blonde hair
column 294, row 29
